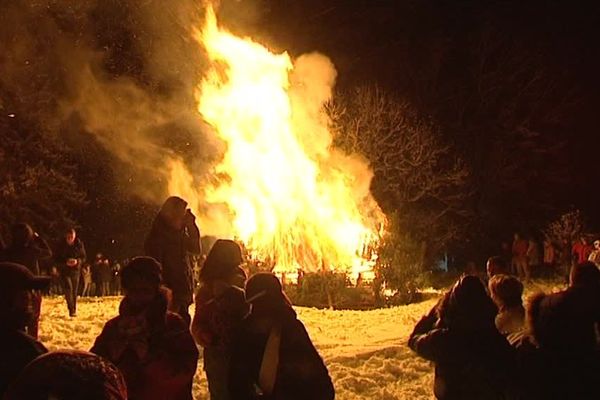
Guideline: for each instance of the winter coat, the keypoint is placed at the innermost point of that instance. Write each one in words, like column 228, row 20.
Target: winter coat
column 28, row 255
column 17, row 349
column 154, row 350
column 64, row 251
column 469, row 364
column 219, row 312
column 550, row 375
column 172, row 249
column 301, row 372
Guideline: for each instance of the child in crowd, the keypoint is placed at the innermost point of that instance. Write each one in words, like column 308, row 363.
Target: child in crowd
column 151, row 346
column 220, row 307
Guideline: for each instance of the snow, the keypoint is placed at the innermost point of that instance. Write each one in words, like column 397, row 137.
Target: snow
column 365, row 351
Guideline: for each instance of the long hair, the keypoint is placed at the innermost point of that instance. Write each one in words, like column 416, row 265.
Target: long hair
column 467, row 305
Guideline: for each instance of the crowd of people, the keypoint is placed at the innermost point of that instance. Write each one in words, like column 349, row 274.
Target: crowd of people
column 486, row 344
column 528, row 258
column 254, row 347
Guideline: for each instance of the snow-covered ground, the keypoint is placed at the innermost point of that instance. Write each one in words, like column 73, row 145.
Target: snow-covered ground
column 365, row 351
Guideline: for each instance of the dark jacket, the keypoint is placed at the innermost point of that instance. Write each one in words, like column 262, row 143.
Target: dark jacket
column 301, row 372
column 28, row 255
column 218, row 315
column 172, row 249
column 469, row 364
column 563, row 360
column 64, row 251
column 17, row 350
column 154, row 350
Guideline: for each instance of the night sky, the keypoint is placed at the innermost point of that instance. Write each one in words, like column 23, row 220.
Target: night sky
column 518, row 77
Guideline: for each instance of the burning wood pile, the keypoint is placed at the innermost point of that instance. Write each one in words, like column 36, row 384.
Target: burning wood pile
column 281, row 188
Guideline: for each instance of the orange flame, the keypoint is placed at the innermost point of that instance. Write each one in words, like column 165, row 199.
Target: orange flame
column 289, row 197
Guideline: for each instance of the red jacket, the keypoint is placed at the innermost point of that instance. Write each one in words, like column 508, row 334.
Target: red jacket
column 155, row 352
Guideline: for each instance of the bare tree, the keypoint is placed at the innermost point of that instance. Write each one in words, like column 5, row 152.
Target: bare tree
column 416, row 175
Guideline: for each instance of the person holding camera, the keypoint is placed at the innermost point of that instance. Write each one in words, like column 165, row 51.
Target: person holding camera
column 70, row 256
column 174, row 236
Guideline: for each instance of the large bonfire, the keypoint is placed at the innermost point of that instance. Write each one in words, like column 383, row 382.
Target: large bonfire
column 281, row 188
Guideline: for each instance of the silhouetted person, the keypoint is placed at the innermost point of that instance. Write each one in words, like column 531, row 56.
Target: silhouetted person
column 595, row 254
column 28, row 248
column 562, row 361
column 533, row 258
column 17, row 348
column 496, row 265
column 506, row 292
column 151, row 346
column 519, row 256
column 220, row 308
column 272, row 354
column 581, row 250
column 86, row 278
column 173, row 237
column 472, row 359
column 69, row 375
column 70, row 256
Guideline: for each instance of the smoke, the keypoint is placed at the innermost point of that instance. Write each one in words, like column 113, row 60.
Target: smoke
column 119, row 72
column 125, row 73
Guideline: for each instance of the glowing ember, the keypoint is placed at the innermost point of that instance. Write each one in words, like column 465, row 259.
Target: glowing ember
column 289, row 197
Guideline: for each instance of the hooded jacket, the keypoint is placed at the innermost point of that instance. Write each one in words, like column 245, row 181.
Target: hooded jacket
column 301, row 372
column 154, row 350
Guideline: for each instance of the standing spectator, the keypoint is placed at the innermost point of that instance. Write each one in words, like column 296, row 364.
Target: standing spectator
column 595, row 254
column 472, row 359
column 496, row 265
column 533, row 258
column 220, row 308
column 86, row 278
column 272, row 355
column 564, row 363
column 104, row 276
column 507, row 292
column 28, row 248
column 97, row 274
column 519, row 256
column 151, row 346
column 116, row 279
column 549, row 257
column 173, row 237
column 70, row 256
column 16, row 347
column 581, row 250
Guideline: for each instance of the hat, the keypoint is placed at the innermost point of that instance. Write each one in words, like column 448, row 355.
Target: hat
column 16, row 276
column 223, row 259
column 263, row 284
column 142, row 267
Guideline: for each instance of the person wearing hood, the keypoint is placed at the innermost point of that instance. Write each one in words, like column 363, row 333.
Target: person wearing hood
column 70, row 256
column 220, row 308
column 273, row 356
column 151, row 346
column 16, row 347
column 173, row 237
column 28, row 248
column 472, row 359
